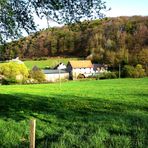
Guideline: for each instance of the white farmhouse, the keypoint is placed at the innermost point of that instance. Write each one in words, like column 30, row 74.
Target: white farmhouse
column 77, row 68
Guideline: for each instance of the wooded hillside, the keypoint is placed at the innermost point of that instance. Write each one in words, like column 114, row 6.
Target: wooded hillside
column 111, row 41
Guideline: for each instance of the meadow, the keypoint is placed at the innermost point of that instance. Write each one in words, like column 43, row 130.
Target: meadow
column 92, row 114
column 50, row 62
column 47, row 62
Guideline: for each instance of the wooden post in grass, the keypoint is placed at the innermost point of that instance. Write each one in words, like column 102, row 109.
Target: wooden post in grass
column 119, row 70
column 60, row 78
column 32, row 133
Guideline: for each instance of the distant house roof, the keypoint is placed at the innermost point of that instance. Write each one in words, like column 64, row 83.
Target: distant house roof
column 53, row 71
column 96, row 66
column 17, row 60
column 60, row 66
column 81, row 64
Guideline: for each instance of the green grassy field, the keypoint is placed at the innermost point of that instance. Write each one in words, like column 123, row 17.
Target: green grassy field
column 49, row 62
column 95, row 114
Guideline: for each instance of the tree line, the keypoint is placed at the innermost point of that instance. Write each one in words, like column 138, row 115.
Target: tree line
column 112, row 41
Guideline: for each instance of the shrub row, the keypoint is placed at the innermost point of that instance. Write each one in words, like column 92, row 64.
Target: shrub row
column 133, row 72
column 108, row 75
column 127, row 71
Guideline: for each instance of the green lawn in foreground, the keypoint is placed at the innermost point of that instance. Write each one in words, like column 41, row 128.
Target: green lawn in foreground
column 51, row 62
column 98, row 113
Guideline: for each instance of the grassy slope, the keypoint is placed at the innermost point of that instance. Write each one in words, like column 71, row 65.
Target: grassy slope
column 50, row 62
column 105, row 113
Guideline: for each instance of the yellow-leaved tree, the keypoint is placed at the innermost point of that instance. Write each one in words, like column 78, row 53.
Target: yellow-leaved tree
column 14, row 71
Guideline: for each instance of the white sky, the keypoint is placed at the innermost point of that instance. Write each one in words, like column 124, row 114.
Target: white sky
column 118, row 8
column 127, row 7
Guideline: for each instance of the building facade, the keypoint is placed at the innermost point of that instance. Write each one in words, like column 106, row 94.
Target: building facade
column 77, row 68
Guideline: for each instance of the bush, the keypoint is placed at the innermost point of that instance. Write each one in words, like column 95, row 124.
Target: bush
column 47, row 67
column 35, row 59
column 40, row 59
column 44, row 58
column 133, row 72
column 140, row 72
column 128, row 71
column 7, row 81
column 95, row 76
column 14, row 71
column 108, row 75
column 37, row 75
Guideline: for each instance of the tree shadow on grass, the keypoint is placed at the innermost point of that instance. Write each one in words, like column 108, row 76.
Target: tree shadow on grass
column 69, row 109
column 63, row 107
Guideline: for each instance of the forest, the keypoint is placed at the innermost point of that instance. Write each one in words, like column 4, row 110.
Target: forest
column 112, row 41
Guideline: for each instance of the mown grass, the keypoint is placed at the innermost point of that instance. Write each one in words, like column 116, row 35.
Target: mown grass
column 102, row 113
column 51, row 62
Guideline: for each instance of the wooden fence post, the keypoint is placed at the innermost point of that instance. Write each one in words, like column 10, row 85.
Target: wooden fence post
column 32, row 133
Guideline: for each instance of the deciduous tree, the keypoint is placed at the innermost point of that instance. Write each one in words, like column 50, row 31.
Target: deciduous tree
column 16, row 15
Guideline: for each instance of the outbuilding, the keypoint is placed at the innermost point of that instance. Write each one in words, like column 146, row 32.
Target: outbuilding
column 53, row 75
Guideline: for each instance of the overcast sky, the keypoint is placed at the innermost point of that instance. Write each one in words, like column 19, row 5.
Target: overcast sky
column 118, row 8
